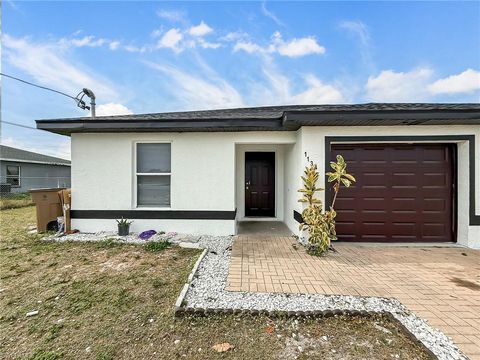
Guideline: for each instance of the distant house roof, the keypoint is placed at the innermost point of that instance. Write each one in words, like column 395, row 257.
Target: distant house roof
column 8, row 153
column 290, row 117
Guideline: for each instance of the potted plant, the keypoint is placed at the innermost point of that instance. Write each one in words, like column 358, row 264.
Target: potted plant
column 123, row 226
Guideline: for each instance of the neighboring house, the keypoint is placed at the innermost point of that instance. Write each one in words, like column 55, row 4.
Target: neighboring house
column 417, row 170
column 21, row 170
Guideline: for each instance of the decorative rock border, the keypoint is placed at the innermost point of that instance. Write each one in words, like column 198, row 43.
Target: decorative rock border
column 205, row 294
column 183, row 293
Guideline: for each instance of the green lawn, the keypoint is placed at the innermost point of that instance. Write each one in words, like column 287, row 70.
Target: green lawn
column 110, row 301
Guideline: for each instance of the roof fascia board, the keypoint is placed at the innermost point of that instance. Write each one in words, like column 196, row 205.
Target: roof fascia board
column 35, row 162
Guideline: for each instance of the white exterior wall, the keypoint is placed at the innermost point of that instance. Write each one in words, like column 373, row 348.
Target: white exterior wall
column 313, row 142
column 293, row 170
column 203, row 176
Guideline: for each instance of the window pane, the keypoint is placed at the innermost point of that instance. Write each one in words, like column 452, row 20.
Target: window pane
column 14, row 181
column 153, row 158
column 153, row 190
column 13, row 170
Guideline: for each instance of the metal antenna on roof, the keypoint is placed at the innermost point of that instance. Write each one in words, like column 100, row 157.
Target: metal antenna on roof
column 81, row 104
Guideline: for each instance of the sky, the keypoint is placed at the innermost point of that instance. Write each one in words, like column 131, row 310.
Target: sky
column 144, row 57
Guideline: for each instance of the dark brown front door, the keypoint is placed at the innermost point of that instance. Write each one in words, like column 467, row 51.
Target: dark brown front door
column 260, row 184
column 403, row 193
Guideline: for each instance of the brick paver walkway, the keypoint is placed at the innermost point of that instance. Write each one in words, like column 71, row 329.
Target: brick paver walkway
column 439, row 284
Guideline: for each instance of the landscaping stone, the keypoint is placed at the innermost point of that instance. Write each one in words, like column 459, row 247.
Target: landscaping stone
column 187, row 240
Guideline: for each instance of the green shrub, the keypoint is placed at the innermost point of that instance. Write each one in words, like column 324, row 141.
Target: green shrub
column 320, row 224
column 154, row 246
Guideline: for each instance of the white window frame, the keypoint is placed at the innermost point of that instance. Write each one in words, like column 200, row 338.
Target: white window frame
column 136, row 174
column 14, row 176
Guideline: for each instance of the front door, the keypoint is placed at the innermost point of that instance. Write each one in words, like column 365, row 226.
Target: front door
column 260, row 184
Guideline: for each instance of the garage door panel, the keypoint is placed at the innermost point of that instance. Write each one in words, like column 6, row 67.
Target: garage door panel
column 373, row 215
column 403, row 193
column 433, row 229
column 403, row 216
column 429, row 204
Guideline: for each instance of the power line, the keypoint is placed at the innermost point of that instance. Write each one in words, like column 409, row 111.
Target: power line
column 39, row 86
column 19, row 125
column 78, row 99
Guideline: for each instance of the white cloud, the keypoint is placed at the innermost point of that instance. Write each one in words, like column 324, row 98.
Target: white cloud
column 48, row 64
column 109, row 109
column 392, row 86
column 297, row 47
column 135, row 49
column 270, row 14
column 195, row 92
column 156, row 33
column 358, row 28
column 234, row 36
column 88, row 41
column 208, row 45
column 171, row 15
column 201, row 29
column 171, row 40
column 278, row 89
column 318, row 93
column 361, row 35
column 465, row 82
column 248, row 47
column 114, row 45
column 292, row 48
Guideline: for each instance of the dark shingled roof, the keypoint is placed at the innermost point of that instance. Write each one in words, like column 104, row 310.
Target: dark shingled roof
column 14, row 154
column 289, row 117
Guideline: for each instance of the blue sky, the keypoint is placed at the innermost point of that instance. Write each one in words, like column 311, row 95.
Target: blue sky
column 141, row 57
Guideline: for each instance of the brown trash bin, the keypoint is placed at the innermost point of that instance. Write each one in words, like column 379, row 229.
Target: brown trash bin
column 48, row 208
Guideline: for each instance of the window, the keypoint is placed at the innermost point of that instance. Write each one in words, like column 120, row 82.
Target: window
column 153, row 174
column 13, row 175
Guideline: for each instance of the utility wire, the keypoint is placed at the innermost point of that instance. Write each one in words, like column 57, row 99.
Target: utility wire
column 39, row 86
column 19, row 125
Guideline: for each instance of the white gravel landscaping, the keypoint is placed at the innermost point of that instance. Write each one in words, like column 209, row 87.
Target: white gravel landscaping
column 207, row 291
column 132, row 238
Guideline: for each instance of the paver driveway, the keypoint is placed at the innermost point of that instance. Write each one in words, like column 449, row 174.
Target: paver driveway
column 439, row 284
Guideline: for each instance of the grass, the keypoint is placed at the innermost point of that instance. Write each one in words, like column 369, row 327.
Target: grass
column 155, row 246
column 12, row 201
column 115, row 301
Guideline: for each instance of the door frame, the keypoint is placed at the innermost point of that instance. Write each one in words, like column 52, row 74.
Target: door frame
column 244, row 197
column 434, row 139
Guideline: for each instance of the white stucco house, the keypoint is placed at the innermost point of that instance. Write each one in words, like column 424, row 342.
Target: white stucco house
column 203, row 172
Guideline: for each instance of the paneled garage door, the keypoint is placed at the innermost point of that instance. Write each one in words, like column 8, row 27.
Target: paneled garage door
column 403, row 193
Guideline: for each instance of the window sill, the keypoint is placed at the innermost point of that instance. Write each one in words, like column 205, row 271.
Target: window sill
column 153, row 208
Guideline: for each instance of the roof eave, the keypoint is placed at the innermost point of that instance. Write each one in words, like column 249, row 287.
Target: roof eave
column 73, row 126
column 387, row 117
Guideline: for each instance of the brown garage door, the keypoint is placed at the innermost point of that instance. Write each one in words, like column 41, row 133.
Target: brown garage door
column 403, row 193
